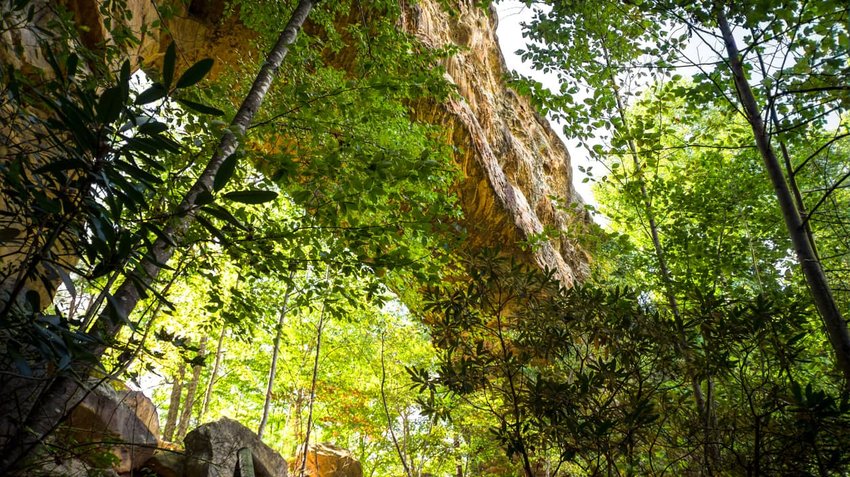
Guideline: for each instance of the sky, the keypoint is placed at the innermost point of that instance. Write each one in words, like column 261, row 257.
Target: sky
column 511, row 15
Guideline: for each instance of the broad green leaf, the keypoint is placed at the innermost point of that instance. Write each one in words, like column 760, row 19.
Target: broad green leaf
column 215, row 231
column 195, row 73
column 154, row 93
column 251, row 196
column 168, row 64
column 9, row 233
column 201, row 108
column 110, row 105
column 71, row 66
column 223, row 214
column 62, row 165
column 225, row 172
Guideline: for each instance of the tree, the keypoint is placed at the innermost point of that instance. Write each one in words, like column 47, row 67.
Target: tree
column 50, row 409
column 798, row 81
column 720, row 236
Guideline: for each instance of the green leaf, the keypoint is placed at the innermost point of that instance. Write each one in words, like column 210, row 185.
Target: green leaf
column 137, row 173
column 251, row 196
column 154, row 93
column 71, row 66
column 201, row 108
column 34, row 299
column 168, row 65
column 62, row 165
column 225, row 172
column 153, row 127
column 204, row 197
column 160, row 234
column 223, row 214
column 110, row 105
column 195, row 73
column 116, row 312
column 66, row 279
column 211, row 228
column 8, row 233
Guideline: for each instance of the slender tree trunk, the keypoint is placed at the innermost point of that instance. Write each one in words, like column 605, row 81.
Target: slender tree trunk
column 208, row 394
column 295, row 418
column 789, row 167
column 189, row 403
column 703, row 408
column 312, row 397
column 275, row 351
column 510, row 374
column 458, row 458
column 174, row 404
column 66, row 392
column 821, row 293
column 387, row 412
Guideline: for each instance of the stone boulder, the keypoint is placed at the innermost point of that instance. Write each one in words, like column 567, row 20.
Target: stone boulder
column 125, row 421
column 327, row 460
column 165, row 463
column 69, row 467
column 211, row 451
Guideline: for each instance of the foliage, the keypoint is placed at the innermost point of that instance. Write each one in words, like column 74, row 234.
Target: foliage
column 695, row 349
column 272, row 213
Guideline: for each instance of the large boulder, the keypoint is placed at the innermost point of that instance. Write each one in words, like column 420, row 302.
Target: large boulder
column 69, row 467
column 165, row 463
column 327, row 460
column 211, row 451
column 125, row 421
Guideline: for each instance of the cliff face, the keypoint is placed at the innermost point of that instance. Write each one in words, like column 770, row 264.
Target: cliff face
column 518, row 175
column 517, row 171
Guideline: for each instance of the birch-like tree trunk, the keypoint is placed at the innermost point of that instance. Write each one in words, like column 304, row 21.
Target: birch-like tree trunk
column 191, row 390
column 174, row 404
column 208, row 394
column 312, row 397
column 401, row 452
column 704, row 409
column 273, row 367
column 65, row 391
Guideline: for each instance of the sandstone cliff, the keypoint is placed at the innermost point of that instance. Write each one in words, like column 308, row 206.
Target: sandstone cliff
column 517, row 176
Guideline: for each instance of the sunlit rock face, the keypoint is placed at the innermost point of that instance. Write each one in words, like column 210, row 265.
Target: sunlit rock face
column 517, row 176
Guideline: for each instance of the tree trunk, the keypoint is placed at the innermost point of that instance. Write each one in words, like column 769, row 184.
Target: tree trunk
column 458, row 458
column 703, row 408
column 295, row 419
column 174, row 404
column 189, row 402
column 819, row 289
column 312, row 397
column 273, row 367
column 398, row 448
column 208, row 394
column 65, row 392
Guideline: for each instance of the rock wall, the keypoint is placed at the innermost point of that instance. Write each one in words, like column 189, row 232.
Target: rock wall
column 517, row 171
column 517, row 176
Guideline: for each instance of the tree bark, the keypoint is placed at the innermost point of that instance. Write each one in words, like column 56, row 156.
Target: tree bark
column 303, row 465
column 703, row 408
column 208, row 394
column 66, row 392
column 836, row 328
column 174, row 404
column 273, row 367
column 189, row 402
column 401, row 453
